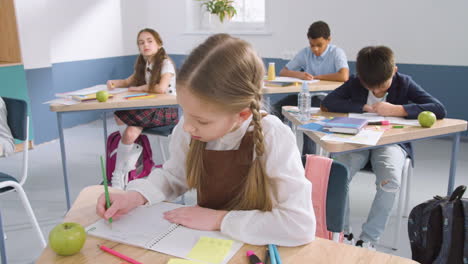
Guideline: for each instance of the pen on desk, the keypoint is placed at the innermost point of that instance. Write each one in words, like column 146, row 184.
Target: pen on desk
column 119, row 255
column 380, row 123
column 135, row 95
column 253, row 258
column 272, row 254
column 277, row 256
column 106, row 190
column 398, row 126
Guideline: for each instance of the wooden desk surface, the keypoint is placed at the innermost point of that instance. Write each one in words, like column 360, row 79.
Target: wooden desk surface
column 393, row 135
column 319, row 251
column 165, row 99
column 320, row 86
column 117, row 102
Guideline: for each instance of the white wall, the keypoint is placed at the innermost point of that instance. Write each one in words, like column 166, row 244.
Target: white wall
column 53, row 31
column 34, row 32
column 419, row 31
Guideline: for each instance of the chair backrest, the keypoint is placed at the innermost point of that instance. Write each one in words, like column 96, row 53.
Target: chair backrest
column 330, row 190
column 337, row 193
column 17, row 117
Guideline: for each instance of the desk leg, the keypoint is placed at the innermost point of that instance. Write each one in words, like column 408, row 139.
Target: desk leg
column 453, row 162
column 64, row 158
column 104, row 125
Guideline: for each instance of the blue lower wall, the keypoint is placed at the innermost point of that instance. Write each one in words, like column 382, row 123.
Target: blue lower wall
column 44, row 83
column 447, row 83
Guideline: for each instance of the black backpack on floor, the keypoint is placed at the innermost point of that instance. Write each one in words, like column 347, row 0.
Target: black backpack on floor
column 438, row 230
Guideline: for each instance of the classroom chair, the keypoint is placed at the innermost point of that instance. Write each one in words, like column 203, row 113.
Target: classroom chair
column 160, row 132
column 18, row 121
column 336, row 195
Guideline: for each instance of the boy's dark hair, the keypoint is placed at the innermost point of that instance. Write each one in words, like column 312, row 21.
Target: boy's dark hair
column 375, row 65
column 318, row 29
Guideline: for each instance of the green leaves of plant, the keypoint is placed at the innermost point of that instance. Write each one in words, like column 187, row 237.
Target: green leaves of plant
column 222, row 8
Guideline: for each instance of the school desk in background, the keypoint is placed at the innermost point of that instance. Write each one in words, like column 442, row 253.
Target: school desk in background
column 85, row 94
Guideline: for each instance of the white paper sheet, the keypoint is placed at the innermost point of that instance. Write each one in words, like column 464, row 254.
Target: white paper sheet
column 63, row 101
column 291, row 79
column 402, row 121
column 364, row 137
column 91, row 90
column 373, row 117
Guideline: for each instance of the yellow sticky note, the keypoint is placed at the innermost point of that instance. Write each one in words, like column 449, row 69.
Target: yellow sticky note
column 212, row 250
column 181, row 261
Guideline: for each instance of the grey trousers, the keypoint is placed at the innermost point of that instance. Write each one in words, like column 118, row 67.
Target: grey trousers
column 387, row 164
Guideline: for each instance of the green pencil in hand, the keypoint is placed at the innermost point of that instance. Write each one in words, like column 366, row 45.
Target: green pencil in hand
column 106, row 190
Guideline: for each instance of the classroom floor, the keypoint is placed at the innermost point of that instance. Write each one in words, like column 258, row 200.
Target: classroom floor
column 84, row 145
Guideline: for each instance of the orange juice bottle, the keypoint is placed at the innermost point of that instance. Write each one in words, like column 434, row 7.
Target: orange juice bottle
column 271, row 71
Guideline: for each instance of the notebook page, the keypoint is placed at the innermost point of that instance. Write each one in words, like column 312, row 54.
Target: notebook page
column 137, row 228
column 172, row 243
column 371, row 117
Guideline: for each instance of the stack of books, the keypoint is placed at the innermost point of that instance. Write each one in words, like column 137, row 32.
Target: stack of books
column 88, row 97
column 345, row 125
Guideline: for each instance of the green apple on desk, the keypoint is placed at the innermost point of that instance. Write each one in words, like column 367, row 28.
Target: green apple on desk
column 67, row 238
column 102, row 96
column 426, row 118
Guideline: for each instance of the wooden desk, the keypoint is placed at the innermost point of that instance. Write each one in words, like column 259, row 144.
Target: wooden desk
column 321, row 86
column 113, row 104
column 319, row 251
column 442, row 128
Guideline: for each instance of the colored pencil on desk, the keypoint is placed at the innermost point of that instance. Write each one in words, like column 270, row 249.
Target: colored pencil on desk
column 106, row 190
column 272, row 254
column 277, row 256
column 141, row 97
column 119, row 255
column 135, row 95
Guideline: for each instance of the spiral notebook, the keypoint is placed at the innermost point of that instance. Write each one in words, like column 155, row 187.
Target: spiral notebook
column 145, row 227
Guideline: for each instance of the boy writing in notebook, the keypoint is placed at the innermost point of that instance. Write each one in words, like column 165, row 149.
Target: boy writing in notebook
column 320, row 61
column 379, row 88
column 248, row 176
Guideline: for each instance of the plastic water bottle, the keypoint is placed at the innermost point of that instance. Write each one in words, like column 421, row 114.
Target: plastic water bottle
column 303, row 102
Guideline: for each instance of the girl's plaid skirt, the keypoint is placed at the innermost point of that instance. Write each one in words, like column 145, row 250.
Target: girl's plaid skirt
column 153, row 117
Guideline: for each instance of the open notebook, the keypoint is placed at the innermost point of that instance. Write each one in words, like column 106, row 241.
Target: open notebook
column 145, row 227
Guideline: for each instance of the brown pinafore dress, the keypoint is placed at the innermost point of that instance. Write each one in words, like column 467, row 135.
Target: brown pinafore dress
column 225, row 174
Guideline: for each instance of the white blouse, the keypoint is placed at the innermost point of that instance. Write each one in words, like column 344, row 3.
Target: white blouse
column 292, row 220
column 167, row 67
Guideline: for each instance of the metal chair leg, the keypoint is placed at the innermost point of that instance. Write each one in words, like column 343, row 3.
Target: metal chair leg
column 2, row 242
column 29, row 211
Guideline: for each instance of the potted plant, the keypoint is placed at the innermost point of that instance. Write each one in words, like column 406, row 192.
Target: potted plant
column 222, row 8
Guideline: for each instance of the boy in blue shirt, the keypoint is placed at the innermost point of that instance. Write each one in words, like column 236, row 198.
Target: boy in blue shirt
column 320, row 61
column 379, row 88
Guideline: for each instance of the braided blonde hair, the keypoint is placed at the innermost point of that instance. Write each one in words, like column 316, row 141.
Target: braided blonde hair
column 227, row 72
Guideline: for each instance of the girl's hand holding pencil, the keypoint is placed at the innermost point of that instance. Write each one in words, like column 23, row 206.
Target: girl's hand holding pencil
column 121, row 204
